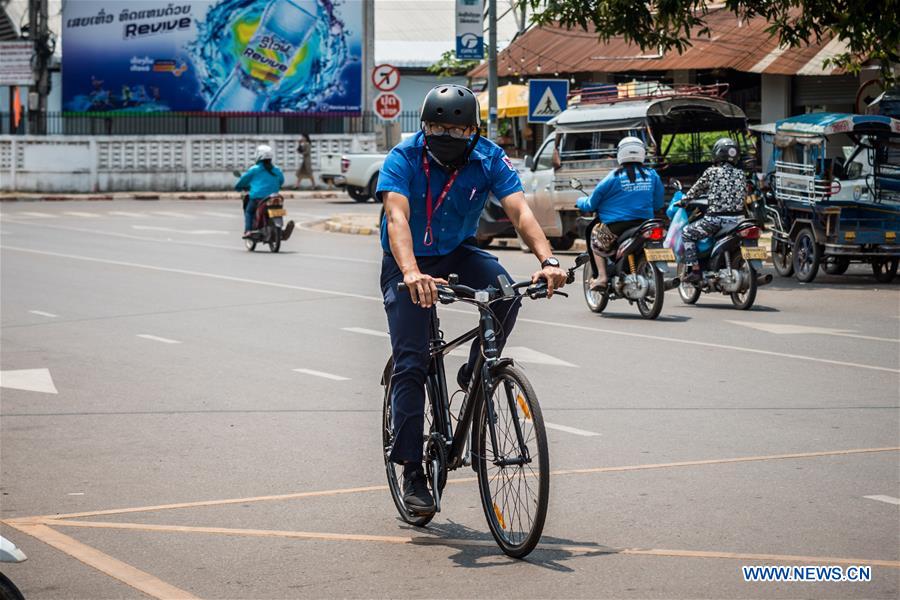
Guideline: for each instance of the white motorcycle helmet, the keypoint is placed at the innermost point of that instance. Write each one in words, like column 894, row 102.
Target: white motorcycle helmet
column 631, row 150
column 264, row 153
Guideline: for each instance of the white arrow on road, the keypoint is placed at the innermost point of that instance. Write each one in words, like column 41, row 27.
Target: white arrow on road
column 30, row 380
column 786, row 329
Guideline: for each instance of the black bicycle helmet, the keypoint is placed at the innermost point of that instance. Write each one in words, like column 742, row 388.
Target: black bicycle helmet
column 726, row 150
column 452, row 104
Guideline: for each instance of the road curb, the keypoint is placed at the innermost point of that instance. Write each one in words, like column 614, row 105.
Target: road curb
column 338, row 227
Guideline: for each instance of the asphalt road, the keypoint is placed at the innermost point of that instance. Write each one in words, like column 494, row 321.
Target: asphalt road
column 184, row 454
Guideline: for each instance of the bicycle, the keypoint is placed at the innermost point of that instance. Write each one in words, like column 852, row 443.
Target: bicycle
column 509, row 427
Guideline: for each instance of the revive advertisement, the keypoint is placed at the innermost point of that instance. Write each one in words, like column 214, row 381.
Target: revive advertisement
column 213, row 55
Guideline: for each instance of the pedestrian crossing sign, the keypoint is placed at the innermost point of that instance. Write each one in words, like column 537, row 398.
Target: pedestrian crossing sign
column 546, row 98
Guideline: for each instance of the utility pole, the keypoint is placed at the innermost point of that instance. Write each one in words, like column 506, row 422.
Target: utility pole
column 492, row 69
column 39, row 30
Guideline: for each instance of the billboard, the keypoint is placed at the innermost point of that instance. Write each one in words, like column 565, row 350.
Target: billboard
column 212, row 55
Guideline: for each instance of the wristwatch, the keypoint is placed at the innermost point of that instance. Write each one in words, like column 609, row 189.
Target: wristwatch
column 550, row 261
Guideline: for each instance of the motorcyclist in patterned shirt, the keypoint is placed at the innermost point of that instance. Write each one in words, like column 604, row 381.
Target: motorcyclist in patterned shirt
column 725, row 186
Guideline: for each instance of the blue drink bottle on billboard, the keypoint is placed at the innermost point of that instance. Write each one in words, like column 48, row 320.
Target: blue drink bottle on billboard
column 284, row 27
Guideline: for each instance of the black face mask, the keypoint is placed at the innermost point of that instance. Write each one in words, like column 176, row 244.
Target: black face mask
column 449, row 151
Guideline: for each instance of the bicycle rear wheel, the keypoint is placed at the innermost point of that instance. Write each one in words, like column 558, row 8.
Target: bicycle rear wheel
column 514, row 496
column 395, row 471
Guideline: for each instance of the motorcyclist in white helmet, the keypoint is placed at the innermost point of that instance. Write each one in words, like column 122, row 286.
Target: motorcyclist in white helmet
column 261, row 181
column 625, row 198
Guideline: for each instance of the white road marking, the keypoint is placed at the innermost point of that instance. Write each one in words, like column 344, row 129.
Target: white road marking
column 523, row 354
column 568, row 429
column 122, row 213
column 189, row 231
column 554, row 324
column 41, row 313
column 787, row 329
column 169, row 213
column 147, row 336
column 30, row 380
column 39, row 215
column 75, row 494
column 322, row 374
column 887, row 499
column 76, row 213
column 365, row 331
column 205, row 245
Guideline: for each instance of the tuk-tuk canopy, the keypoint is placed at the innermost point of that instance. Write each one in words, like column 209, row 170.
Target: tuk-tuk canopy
column 664, row 115
column 824, row 124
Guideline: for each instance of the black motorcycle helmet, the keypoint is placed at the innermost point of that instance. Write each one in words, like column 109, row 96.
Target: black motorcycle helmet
column 726, row 150
column 452, row 104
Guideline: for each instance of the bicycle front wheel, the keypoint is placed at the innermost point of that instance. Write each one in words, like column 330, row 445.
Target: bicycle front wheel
column 514, row 480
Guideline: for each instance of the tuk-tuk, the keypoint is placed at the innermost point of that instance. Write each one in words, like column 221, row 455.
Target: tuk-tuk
column 835, row 183
column 678, row 123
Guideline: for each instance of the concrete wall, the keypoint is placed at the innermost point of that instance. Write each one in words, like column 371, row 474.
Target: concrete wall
column 156, row 163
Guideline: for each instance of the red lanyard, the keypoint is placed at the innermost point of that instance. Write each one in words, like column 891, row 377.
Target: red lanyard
column 429, row 210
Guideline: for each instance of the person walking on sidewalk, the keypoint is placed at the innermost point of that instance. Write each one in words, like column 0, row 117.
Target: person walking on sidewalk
column 304, row 171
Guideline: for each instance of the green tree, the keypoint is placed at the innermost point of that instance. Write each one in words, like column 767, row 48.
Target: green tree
column 871, row 28
column 449, row 65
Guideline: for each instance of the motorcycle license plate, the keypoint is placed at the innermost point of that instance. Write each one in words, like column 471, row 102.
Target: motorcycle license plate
column 754, row 253
column 659, row 254
column 277, row 212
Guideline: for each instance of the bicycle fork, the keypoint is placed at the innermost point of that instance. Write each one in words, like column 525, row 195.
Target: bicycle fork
column 491, row 353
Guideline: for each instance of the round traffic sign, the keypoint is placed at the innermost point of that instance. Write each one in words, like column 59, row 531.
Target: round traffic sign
column 387, row 106
column 385, row 77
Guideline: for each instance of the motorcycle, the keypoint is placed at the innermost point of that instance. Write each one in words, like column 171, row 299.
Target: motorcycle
column 635, row 266
column 730, row 261
column 268, row 222
column 9, row 553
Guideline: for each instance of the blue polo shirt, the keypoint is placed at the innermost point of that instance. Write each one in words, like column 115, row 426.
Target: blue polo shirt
column 616, row 198
column 488, row 171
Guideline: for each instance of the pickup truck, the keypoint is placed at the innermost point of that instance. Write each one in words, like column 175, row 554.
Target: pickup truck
column 360, row 174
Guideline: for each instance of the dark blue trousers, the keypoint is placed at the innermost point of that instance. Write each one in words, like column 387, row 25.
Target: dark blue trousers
column 409, row 325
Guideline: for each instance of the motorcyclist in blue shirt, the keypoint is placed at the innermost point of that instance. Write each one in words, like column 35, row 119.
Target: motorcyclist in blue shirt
column 434, row 186
column 625, row 198
column 261, row 181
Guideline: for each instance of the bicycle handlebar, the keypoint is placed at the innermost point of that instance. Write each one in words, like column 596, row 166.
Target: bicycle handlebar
column 450, row 292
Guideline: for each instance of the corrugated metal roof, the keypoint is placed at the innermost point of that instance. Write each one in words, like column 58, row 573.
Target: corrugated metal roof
column 732, row 44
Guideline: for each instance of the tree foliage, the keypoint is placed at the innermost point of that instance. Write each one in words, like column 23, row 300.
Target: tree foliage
column 449, row 65
column 871, row 28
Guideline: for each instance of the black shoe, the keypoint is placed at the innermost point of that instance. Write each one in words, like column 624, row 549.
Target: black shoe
column 288, row 230
column 415, row 492
column 693, row 277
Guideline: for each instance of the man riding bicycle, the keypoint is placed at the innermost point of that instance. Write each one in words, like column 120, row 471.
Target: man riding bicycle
column 434, row 186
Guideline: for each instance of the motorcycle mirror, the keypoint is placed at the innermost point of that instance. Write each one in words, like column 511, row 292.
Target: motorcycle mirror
column 576, row 184
column 236, row 173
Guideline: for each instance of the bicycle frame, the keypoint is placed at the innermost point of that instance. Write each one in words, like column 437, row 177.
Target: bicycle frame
column 484, row 364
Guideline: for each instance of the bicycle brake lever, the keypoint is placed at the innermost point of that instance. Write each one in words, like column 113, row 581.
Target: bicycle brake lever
column 563, row 294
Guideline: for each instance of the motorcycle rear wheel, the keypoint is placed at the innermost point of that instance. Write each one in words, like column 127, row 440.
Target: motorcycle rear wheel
column 650, row 306
column 275, row 240
column 744, row 300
